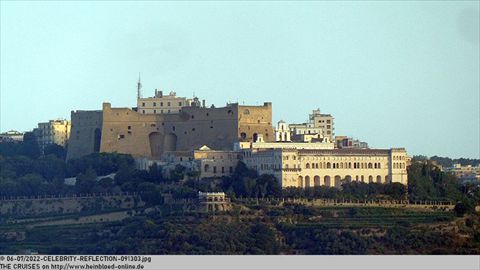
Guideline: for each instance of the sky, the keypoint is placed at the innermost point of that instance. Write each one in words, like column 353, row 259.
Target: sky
column 393, row 74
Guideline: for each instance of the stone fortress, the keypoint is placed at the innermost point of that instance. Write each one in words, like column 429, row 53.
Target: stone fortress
column 170, row 130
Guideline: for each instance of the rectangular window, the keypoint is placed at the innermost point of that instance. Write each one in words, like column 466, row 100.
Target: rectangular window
column 223, row 169
column 328, row 121
column 230, row 169
column 154, row 104
column 143, row 104
column 168, row 104
column 214, row 169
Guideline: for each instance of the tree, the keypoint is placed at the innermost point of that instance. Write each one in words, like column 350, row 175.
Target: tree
column 86, row 182
column 56, row 150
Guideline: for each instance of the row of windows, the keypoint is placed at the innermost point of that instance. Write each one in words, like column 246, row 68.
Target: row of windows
column 323, row 121
column 161, row 111
column 336, row 180
column 397, row 165
column 343, row 165
column 161, row 104
column 398, row 157
column 334, row 158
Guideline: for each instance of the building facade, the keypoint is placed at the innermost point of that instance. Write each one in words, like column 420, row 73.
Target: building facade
column 213, row 201
column 215, row 163
column 11, row 136
column 348, row 142
column 162, row 104
column 282, row 132
column 318, row 128
column 466, row 173
column 52, row 132
column 309, row 168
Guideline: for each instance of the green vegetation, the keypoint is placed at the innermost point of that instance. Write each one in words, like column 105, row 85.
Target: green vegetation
column 261, row 229
column 268, row 226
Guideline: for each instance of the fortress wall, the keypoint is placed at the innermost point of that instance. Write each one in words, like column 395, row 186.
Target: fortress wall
column 149, row 135
column 126, row 131
column 86, row 128
column 195, row 127
column 256, row 120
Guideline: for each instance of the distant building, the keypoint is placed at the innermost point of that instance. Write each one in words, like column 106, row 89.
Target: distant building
column 283, row 145
column 329, row 167
column 11, row 136
column 282, row 132
column 215, row 163
column 348, row 142
column 213, row 201
column 208, row 163
column 319, row 126
column 467, row 173
column 163, row 104
column 52, row 132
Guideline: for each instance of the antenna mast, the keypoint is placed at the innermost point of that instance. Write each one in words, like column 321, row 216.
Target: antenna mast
column 139, row 86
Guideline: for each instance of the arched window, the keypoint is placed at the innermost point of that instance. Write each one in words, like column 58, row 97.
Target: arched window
column 307, row 166
column 328, row 165
column 370, row 165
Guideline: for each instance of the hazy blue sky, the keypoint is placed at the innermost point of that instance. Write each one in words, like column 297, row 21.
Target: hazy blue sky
column 392, row 74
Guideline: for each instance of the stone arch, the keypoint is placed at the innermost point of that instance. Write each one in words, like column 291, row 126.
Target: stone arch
column 327, row 181
column 379, row 179
column 300, row 181
column 307, row 181
column 156, row 144
column 316, row 181
column 338, row 181
column 170, row 142
column 370, row 179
